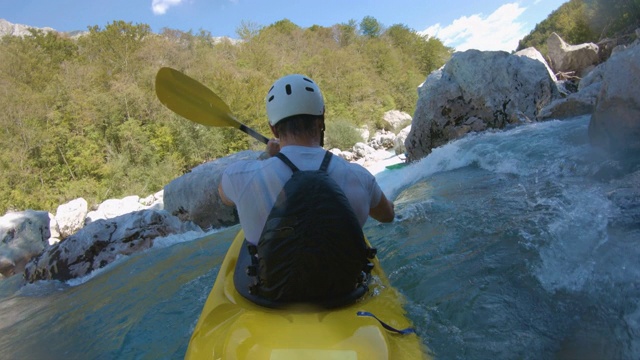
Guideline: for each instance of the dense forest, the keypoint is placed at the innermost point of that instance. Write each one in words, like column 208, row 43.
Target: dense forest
column 80, row 117
column 581, row 21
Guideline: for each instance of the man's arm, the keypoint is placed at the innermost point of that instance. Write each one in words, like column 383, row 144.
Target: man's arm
column 384, row 211
column 223, row 197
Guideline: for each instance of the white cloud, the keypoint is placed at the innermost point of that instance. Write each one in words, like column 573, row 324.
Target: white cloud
column 498, row 31
column 160, row 7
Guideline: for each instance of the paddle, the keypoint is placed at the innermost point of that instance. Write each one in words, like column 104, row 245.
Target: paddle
column 194, row 101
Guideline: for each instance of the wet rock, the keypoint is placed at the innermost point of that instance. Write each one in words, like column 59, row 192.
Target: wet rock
column 396, row 120
column 577, row 59
column 23, row 235
column 615, row 123
column 71, row 216
column 101, row 242
column 494, row 88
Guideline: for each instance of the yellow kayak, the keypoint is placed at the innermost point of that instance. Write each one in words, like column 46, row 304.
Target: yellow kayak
column 232, row 327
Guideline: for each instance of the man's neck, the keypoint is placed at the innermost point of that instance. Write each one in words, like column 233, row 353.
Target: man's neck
column 299, row 141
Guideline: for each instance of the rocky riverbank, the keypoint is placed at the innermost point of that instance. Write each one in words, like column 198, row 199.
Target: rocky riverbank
column 78, row 239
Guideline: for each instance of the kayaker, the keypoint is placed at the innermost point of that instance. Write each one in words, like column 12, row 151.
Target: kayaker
column 295, row 108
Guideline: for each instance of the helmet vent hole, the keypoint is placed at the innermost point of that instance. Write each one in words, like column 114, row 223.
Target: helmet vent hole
column 271, row 98
column 288, row 89
column 308, row 80
column 309, row 89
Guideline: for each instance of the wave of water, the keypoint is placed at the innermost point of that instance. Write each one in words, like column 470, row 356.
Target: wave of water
column 507, row 244
column 511, row 245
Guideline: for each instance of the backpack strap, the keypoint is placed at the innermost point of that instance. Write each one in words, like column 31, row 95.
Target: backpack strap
column 323, row 167
column 287, row 161
column 325, row 162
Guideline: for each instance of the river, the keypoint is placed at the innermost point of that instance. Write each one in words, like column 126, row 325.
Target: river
column 514, row 244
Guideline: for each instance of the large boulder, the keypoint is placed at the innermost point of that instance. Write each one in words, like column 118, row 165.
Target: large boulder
column 582, row 102
column 71, row 216
column 54, row 230
column 477, row 90
column 365, row 154
column 592, row 78
column 533, row 53
column 363, row 151
column 194, row 195
column 111, row 208
column 23, row 235
column 154, row 201
column 615, row 123
column 101, row 242
column 396, row 120
column 382, row 139
column 608, row 46
column 398, row 144
column 579, row 59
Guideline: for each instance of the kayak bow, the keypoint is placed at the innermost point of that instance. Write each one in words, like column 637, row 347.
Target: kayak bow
column 232, row 327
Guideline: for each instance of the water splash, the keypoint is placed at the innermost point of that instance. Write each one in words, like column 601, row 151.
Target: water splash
column 525, row 151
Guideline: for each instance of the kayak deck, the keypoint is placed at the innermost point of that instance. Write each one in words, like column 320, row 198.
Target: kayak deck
column 232, row 327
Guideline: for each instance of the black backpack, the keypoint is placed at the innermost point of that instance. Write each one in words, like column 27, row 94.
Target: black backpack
column 312, row 248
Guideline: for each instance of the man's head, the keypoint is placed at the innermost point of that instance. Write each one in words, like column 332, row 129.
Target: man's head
column 293, row 95
column 295, row 108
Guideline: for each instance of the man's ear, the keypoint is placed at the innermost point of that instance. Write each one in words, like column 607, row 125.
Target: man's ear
column 274, row 131
column 321, row 131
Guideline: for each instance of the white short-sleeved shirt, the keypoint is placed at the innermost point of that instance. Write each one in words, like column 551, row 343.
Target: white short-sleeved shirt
column 254, row 185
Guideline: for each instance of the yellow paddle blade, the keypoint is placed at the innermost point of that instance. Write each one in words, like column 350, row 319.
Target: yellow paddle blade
column 194, row 101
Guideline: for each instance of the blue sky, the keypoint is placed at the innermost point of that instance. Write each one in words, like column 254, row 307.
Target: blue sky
column 462, row 24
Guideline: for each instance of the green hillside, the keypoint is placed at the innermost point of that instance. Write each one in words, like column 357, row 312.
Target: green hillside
column 580, row 21
column 80, row 117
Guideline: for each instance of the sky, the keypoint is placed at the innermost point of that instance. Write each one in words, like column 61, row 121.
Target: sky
column 460, row 24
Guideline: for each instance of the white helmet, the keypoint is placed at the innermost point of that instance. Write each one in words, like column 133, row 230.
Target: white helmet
column 293, row 95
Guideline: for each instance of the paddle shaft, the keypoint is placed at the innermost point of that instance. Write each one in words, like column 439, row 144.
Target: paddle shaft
column 256, row 135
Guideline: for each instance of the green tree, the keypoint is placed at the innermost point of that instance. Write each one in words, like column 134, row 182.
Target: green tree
column 115, row 46
column 613, row 18
column 428, row 53
column 247, row 30
column 370, row 27
column 433, row 54
column 346, row 33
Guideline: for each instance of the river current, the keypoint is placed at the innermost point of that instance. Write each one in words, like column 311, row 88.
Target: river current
column 514, row 244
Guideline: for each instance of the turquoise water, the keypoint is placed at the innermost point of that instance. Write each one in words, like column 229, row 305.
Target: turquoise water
column 519, row 244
